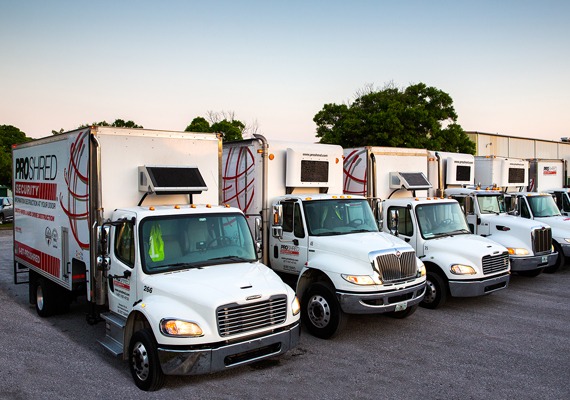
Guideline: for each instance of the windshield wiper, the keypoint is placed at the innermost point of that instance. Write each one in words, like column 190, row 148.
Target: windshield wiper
column 231, row 258
column 183, row 265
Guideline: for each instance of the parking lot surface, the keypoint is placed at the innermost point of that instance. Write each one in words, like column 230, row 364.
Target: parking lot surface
column 514, row 343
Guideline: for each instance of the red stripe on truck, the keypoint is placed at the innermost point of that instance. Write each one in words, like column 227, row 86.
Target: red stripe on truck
column 36, row 190
column 38, row 259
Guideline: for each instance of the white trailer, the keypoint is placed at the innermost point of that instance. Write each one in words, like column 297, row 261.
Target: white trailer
column 458, row 262
column 508, row 174
column 546, row 174
column 128, row 218
column 549, row 176
column 292, row 193
column 529, row 242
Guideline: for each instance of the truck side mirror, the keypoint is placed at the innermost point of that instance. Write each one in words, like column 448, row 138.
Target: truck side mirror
column 277, row 228
column 394, row 222
column 377, row 211
column 103, row 247
column 258, row 229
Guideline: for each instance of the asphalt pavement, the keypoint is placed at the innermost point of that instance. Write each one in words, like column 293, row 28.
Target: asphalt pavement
column 512, row 344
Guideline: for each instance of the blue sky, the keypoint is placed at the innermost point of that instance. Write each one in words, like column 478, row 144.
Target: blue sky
column 506, row 64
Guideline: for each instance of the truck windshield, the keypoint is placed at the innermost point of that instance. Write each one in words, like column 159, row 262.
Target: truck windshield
column 339, row 217
column 543, row 206
column 491, row 204
column 441, row 219
column 193, row 241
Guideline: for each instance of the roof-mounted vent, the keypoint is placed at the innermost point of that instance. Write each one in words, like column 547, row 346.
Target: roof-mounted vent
column 409, row 181
column 162, row 179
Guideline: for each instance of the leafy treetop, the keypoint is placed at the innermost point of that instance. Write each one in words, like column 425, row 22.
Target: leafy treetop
column 418, row 116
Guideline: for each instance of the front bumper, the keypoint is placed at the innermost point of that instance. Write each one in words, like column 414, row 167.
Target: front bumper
column 478, row 287
column 381, row 302
column 533, row 262
column 188, row 361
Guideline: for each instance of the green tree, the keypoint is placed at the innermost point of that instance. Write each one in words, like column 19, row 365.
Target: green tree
column 417, row 116
column 9, row 135
column 118, row 123
column 224, row 123
column 198, row 124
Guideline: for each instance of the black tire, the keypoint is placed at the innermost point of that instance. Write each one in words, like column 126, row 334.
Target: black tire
column 436, row 291
column 321, row 312
column 2, row 219
column 45, row 297
column 560, row 260
column 404, row 313
column 143, row 361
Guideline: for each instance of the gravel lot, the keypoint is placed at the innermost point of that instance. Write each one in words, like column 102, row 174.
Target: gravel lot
column 511, row 344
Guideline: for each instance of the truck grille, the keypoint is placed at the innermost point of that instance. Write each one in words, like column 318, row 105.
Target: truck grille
column 541, row 240
column 399, row 266
column 492, row 264
column 239, row 318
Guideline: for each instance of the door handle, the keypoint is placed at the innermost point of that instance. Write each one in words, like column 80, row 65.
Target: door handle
column 295, row 242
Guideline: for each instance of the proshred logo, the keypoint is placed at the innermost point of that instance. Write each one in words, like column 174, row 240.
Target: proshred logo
column 41, row 168
column 549, row 170
column 290, row 250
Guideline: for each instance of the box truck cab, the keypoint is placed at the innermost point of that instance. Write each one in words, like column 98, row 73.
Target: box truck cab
column 329, row 241
column 541, row 207
column 458, row 262
column 529, row 242
column 127, row 217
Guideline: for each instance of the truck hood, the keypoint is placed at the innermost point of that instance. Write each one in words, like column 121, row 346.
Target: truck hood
column 512, row 222
column 471, row 247
column 358, row 245
column 560, row 226
column 217, row 285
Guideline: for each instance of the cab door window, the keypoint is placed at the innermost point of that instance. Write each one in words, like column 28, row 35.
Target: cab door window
column 405, row 225
column 125, row 244
column 292, row 220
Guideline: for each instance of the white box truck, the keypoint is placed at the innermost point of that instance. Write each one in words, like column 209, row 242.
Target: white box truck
column 458, row 262
column 519, row 202
column 529, row 242
column 128, row 218
column 545, row 174
column 292, row 194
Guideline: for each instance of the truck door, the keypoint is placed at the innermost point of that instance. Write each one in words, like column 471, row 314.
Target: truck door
column 289, row 253
column 407, row 227
column 122, row 293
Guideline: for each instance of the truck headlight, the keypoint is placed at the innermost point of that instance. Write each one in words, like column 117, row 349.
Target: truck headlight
column 460, row 269
column 567, row 240
column 513, row 251
column 360, row 279
column 422, row 270
column 295, row 306
column 177, row 327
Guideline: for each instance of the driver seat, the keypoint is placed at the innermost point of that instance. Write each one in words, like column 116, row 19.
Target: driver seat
column 198, row 234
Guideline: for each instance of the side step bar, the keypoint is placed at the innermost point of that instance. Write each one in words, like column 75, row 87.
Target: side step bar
column 114, row 333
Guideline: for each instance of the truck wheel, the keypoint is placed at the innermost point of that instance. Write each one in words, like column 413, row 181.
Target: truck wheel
column 46, row 301
column 436, row 291
column 404, row 313
column 143, row 361
column 321, row 312
column 560, row 260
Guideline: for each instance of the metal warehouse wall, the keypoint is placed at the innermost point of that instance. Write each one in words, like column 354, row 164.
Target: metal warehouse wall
column 490, row 144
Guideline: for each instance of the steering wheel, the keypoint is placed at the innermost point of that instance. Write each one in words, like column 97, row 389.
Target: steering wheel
column 221, row 240
column 356, row 222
